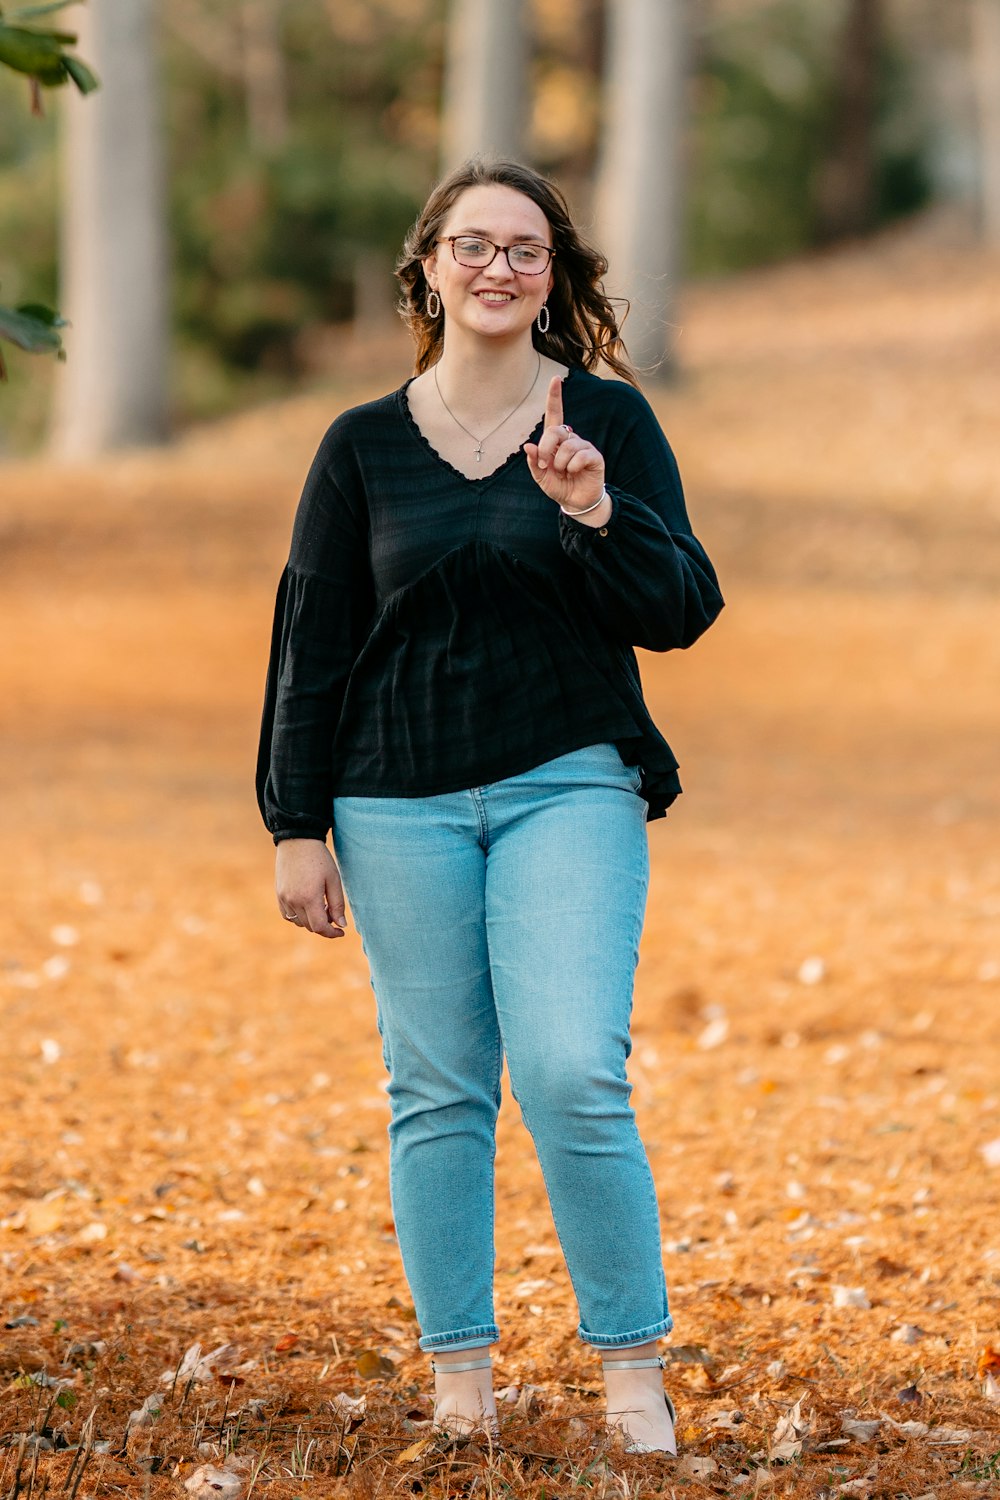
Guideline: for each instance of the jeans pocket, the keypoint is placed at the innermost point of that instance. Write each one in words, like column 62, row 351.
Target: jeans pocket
column 634, row 773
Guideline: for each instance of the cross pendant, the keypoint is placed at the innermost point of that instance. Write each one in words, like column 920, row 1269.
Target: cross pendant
column 479, row 453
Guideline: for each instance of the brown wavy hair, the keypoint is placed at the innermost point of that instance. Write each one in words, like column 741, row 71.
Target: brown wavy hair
column 584, row 328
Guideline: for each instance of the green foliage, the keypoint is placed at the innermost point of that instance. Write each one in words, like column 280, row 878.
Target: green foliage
column 40, row 52
column 272, row 239
column 32, row 326
column 268, row 239
column 41, row 55
column 764, row 103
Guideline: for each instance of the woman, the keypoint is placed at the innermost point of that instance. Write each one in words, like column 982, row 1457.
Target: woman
column 452, row 688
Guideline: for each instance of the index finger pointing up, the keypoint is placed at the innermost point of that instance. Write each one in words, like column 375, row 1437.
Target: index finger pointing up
column 553, row 403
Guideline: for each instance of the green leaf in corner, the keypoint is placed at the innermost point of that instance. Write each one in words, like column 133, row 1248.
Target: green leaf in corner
column 32, row 327
column 85, row 80
column 37, row 53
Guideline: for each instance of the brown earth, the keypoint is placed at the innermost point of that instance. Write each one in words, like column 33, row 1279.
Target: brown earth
column 193, row 1107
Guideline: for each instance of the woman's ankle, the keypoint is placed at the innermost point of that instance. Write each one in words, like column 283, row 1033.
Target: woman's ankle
column 463, row 1399
column 636, row 1401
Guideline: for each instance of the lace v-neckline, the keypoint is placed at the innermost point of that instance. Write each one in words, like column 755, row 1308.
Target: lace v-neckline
column 428, row 446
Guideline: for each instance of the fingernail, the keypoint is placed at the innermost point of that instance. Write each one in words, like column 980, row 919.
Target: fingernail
column 542, row 464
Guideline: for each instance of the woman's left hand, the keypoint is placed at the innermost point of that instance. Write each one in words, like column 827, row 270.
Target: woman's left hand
column 568, row 468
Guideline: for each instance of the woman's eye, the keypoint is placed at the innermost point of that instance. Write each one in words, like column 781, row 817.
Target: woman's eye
column 526, row 255
column 472, row 247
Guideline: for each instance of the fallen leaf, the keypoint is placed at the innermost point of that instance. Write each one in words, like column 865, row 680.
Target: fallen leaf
column 908, row 1333
column 210, row 1483
column 727, row 1421
column 196, row 1366
column 988, row 1362
column 42, row 1215
column 529, row 1401
column 908, row 1429
column 351, row 1407
column 885, row 1266
column 850, row 1296
column 786, row 1439
column 692, row 1467
column 909, row 1393
column 414, row 1450
column 286, row 1342
column 714, row 1034
column 861, row 1432
column 374, row 1366
column 146, row 1414
column 990, row 1153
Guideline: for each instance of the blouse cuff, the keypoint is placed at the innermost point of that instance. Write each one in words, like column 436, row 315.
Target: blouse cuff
column 281, row 834
column 580, row 531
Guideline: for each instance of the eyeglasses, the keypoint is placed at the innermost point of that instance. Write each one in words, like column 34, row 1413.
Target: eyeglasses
column 527, row 259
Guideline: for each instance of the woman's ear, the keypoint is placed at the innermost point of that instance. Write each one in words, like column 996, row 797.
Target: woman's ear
column 429, row 264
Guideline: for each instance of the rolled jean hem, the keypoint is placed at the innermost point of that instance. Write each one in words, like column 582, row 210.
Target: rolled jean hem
column 462, row 1338
column 620, row 1340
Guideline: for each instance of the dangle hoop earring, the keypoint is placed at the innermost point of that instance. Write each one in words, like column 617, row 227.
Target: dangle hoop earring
column 543, row 312
column 433, row 304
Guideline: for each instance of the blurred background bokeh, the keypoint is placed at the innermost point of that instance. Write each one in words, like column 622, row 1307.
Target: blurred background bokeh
column 293, row 141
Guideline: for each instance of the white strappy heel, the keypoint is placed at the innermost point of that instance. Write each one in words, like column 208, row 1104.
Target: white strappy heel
column 633, row 1445
column 488, row 1426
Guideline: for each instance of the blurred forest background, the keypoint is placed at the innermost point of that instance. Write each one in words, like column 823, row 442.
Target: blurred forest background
column 300, row 138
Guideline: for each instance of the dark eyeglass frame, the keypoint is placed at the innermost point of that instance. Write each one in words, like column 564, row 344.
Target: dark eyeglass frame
column 449, row 239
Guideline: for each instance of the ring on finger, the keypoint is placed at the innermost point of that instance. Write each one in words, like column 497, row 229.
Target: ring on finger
column 290, row 916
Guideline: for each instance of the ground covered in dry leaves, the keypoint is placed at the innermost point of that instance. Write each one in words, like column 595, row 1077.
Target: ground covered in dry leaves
column 196, row 1252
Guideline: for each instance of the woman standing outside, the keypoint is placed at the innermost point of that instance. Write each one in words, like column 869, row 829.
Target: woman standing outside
column 452, row 688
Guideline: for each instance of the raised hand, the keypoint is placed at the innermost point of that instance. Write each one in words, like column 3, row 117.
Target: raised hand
column 568, row 468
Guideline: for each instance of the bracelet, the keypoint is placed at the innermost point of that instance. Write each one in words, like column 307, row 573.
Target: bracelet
column 604, row 496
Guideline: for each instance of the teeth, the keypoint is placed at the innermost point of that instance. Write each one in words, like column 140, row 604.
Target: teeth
column 493, row 297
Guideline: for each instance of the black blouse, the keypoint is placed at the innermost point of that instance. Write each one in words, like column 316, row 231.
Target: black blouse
column 434, row 633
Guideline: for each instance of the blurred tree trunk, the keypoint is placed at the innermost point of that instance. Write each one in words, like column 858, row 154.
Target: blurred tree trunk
column 639, row 200
column 113, row 391
column 986, row 67
column 486, row 94
column 264, row 77
column 847, row 187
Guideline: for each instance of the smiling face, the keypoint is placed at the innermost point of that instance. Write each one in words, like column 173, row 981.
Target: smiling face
column 493, row 300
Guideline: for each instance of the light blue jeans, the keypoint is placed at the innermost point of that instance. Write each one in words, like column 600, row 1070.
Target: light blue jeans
column 505, row 920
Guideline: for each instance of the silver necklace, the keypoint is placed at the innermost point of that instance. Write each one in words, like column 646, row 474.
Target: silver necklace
column 479, row 441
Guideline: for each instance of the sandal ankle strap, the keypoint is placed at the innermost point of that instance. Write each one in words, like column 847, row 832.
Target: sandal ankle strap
column 656, row 1362
column 469, row 1364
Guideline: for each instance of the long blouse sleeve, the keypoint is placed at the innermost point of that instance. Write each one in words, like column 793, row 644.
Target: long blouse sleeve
column 434, row 633
column 324, row 601
column 647, row 577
